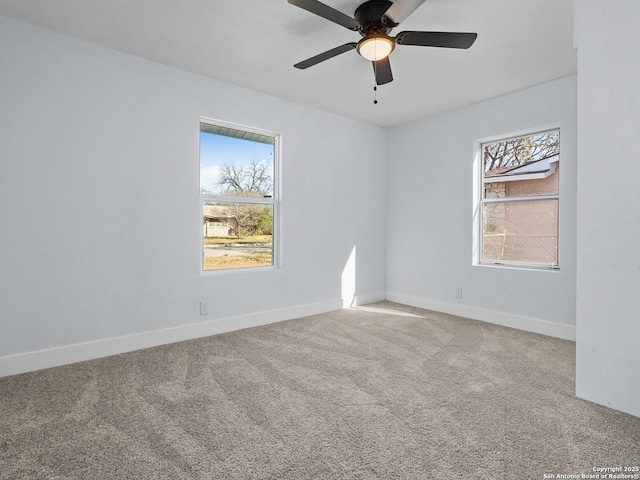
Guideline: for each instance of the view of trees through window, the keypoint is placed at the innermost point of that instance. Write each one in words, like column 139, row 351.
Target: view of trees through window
column 519, row 150
column 519, row 204
column 237, row 189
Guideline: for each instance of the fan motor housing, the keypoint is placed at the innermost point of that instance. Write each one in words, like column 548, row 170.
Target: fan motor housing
column 370, row 16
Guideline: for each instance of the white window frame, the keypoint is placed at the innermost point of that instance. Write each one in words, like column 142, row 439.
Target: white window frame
column 274, row 201
column 480, row 201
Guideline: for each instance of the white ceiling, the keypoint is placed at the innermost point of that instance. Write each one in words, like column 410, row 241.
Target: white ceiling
column 254, row 43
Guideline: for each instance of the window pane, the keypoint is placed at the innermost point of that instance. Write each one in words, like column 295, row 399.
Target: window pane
column 542, row 182
column 237, row 163
column 505, row 155
column 523, row 232
column 522, row 167
column 236, row 235
column 234, row 166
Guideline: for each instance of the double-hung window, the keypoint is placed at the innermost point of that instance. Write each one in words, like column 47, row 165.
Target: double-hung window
column 519, row 200
column 239, row 196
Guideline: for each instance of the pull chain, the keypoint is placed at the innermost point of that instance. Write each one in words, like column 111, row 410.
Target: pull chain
column 375, row 87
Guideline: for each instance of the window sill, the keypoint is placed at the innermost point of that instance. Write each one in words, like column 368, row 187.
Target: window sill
column 519, row 266
column 231, row 271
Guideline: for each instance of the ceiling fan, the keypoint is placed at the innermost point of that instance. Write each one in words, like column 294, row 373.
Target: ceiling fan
column 374, row 20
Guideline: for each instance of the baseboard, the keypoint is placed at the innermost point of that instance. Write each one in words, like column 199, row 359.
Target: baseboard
column 79, row 352
column 369, row 298
column 544, row 327
column 602, row 397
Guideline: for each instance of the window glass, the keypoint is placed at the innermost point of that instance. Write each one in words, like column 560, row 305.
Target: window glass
column 519, row 200
column 525, row 232
column 238, row 193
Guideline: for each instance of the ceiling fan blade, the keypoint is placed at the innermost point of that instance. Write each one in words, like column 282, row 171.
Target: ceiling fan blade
column 401, row 9
column 327, row 12
column 321, row 57
column 382, row 71
column 436, row 39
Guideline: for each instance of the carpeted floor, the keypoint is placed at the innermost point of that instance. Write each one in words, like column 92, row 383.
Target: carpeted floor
column 382, row 391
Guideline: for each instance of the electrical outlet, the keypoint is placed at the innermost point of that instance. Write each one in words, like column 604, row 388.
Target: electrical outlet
column 459, row 292
column 204, row 308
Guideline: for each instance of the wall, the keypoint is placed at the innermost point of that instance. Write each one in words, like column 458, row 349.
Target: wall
column 430, row 214
column 89, row 134
column 607, row 361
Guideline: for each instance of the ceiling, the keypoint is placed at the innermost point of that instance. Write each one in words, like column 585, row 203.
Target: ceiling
column 254, row 43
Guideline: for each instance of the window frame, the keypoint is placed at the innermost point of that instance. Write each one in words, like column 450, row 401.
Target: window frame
column 273, row 201
column 480, row 202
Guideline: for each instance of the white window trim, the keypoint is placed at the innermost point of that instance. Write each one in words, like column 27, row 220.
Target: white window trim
column 275, row 201
column 478, row 202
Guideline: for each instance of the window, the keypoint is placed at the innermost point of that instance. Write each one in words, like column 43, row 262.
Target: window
column 239, row 196
column 519, row 196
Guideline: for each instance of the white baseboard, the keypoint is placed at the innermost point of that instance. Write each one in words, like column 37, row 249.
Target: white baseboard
column 544, row 327
column 79, row 352
column 369, row 298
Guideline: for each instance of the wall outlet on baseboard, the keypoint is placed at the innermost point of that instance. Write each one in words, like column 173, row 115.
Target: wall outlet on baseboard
column 459, row 292
column 204, row 308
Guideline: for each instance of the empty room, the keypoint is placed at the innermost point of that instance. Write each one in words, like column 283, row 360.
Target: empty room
column 294, row 239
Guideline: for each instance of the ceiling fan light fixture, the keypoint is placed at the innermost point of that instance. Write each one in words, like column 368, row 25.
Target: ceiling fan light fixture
column 375, row 47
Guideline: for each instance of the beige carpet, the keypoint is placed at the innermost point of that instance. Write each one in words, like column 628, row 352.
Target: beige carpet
column 384, row 391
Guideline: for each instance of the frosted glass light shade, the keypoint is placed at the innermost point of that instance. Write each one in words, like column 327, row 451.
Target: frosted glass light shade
column 375, row 48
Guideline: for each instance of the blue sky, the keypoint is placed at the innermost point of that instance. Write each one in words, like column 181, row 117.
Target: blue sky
column 215, row 150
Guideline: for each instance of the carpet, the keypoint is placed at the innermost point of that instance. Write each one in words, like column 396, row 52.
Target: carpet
column 383, row 391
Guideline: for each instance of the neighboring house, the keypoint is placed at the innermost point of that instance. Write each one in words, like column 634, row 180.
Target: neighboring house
column 217, row 221
column 525, row 229
column 543, row 174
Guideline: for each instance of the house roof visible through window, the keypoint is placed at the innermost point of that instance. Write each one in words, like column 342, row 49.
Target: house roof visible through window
column 233, row 133
column 540, row 168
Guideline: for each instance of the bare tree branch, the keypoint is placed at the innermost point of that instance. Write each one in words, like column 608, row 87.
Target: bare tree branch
column 516, row 151
column 253, row 180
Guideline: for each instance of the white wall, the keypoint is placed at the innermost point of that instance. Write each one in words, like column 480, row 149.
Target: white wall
column 90, row 136
column 430, row 214
column 608, row 360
